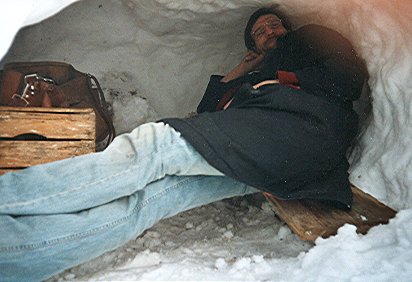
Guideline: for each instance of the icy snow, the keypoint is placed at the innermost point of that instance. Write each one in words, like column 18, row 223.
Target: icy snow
column 153, row 59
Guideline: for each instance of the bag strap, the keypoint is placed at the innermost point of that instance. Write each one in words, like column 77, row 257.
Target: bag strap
column 101, row 101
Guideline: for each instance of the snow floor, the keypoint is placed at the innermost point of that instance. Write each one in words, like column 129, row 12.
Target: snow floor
column 214, row 242
column 241, row 239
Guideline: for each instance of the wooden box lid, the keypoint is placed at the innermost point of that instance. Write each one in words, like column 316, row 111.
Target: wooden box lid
column 31, row 136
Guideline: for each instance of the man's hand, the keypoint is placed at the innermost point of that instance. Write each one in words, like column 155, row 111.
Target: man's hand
column 250, row 62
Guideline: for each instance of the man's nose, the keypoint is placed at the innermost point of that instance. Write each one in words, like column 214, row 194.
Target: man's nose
column 269, row 30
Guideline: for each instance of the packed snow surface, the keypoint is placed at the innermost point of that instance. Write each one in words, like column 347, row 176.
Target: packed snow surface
column 238, row 240
column 153, row 59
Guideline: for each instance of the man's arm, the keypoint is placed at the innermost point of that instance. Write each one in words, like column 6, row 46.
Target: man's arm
column 221, row 87
column 250, row 62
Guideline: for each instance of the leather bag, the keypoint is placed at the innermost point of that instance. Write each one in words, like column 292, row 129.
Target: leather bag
column 55, row 84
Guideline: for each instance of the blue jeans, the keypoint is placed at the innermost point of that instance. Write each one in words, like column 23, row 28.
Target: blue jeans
column 58, row 215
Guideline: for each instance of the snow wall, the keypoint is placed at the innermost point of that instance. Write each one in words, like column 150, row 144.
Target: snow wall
column 154, row 57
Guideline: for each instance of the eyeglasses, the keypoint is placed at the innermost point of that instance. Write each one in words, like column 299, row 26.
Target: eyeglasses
column 272, row 24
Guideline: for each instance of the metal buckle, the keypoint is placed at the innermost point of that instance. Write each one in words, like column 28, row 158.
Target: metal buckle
column 31, row 86
column 21, row 98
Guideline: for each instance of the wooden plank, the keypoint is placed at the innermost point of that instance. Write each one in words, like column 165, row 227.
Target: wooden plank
column 18, row 154
column 53, row 123
column 310, row 219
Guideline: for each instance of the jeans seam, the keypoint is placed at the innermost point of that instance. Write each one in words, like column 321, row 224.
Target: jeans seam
column 95, row 230
column 155, row 196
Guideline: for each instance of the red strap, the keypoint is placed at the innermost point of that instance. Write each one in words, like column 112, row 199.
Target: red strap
column 226, row 98
column 287, row 77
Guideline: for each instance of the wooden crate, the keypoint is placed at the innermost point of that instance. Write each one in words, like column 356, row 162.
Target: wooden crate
column 31, row 136
column 310, row 219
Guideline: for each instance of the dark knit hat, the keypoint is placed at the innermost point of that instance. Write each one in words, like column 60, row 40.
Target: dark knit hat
column 249, row 42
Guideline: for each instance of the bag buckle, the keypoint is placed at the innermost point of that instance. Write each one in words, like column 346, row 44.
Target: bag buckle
column 31, row 86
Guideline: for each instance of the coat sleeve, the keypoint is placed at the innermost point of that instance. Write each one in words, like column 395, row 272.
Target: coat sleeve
column 334, row 69
column 216, row 91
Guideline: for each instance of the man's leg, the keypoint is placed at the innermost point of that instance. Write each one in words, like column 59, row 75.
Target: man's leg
column 133, row 160
column 57, row 215
column 35, row 247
